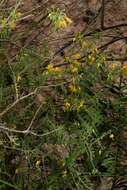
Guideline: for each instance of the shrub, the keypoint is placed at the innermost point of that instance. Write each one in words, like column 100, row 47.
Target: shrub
column 61, row 124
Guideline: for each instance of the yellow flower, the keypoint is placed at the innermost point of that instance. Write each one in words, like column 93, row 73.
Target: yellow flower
column 95, row 50
column 67, row 106
column 45, row 73
column 64, row 173
column 103, row 59
column 50, row 68
column 12, row 25
column 77, row 56
column 64, row 22
column 68, row 20
column 18, row 14
column 3, row 22
column 18, row 78
column 80, row 105
column 38, row 163
column 17, row 171
column 124, row 70
column 111, row 136
column 91, row 58
column 113, row 66
column 62, row 163
column 73, row 88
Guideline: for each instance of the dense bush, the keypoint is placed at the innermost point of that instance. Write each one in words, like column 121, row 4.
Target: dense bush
column 62, row 125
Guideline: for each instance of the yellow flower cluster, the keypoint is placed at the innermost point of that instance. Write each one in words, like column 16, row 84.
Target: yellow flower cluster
column 62, row 163
column 11, row 22
column 50, row 69
column 3, row 22
column 64, row 22
column 94, row 50
column 93, row 55
column 59, row 18
column 124, row 70
column 74, row 64
column 74, row 61
column 67, row 106
column 72, row 105
column 103, row 58
column 91, row 59
column 74, row 88
column 18, row 14
column 74, row 69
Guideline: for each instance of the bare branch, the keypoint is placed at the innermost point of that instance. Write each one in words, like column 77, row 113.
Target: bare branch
column 3, row 128
column 17, row 101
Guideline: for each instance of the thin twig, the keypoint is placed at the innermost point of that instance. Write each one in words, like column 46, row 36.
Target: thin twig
column 3, row 128
column 34, row 117
column 111, row 42
column 17, row 101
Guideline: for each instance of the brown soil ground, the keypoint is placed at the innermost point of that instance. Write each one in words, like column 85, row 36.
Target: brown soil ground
column 86, row 16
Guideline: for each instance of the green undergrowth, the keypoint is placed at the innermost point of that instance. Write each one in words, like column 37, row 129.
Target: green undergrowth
column 62, row 124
